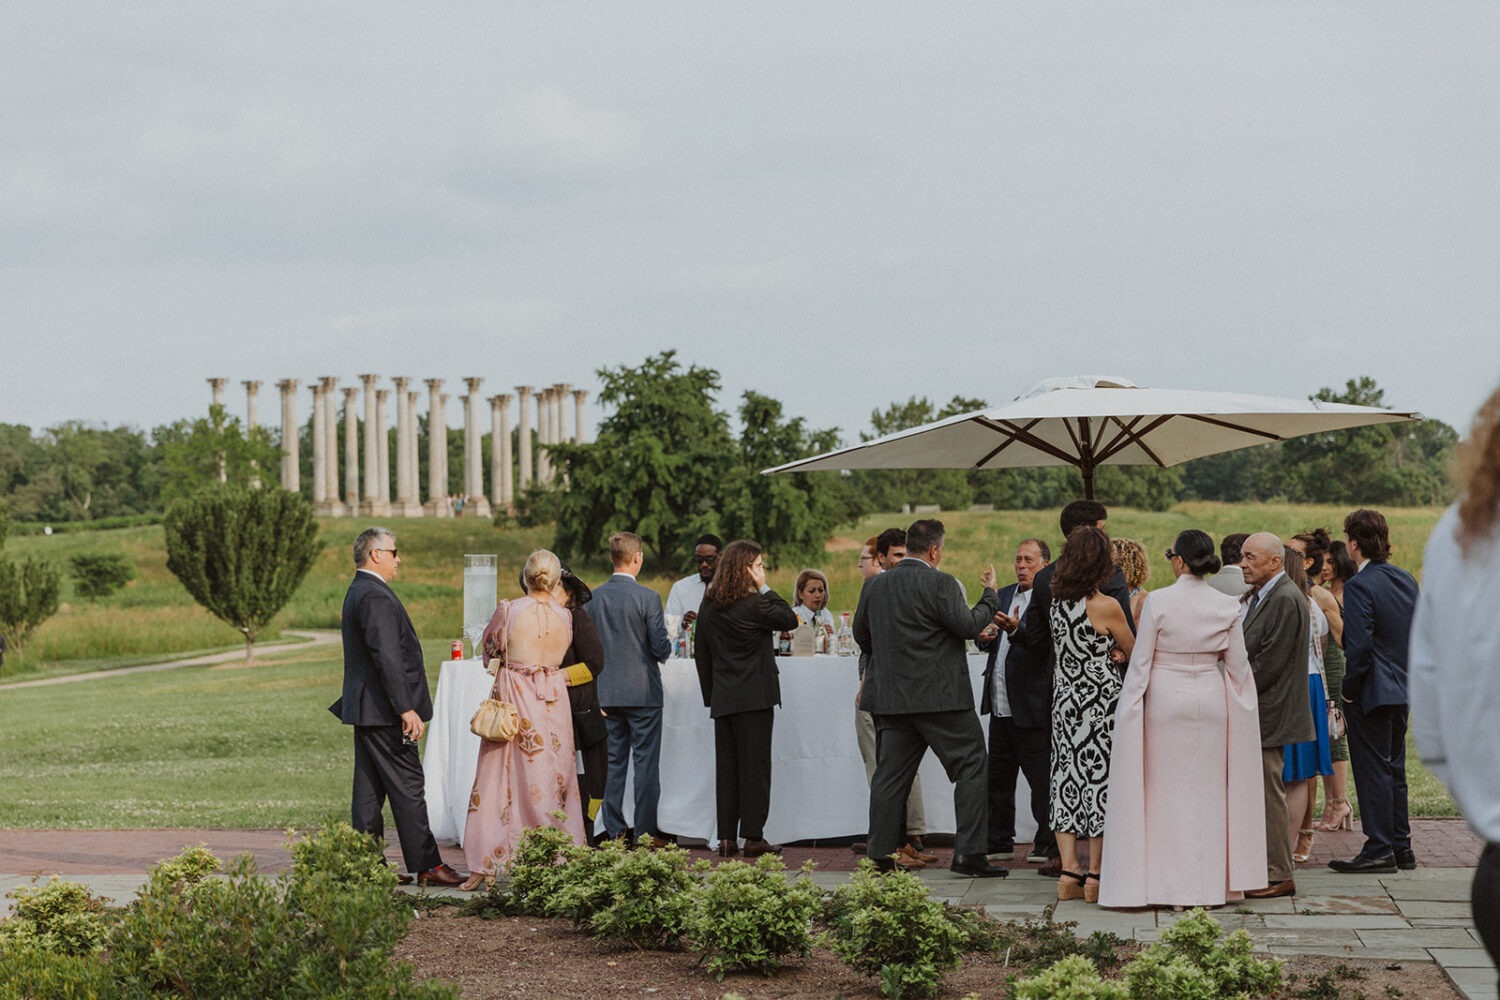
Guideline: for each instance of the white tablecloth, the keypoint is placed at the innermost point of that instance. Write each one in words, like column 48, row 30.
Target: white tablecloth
column 818, row 785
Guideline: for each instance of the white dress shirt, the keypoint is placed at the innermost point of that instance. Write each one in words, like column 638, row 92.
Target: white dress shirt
column 1454, row 686
column 999, row 700
column 686, row 595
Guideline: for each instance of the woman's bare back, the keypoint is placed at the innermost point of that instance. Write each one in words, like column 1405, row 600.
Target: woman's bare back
column 540, row 632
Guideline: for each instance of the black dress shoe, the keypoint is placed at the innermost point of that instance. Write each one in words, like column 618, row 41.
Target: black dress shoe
column 728, row 848
column 1383, row 865
column 976, row 866
column 1406, row 860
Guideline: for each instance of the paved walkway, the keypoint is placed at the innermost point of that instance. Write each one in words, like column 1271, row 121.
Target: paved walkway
column 1419, row 916
column 305, row 637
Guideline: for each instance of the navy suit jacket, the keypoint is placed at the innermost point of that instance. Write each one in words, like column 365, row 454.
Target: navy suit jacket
column 634, row 632
column 384, row 675
column 1379, row 602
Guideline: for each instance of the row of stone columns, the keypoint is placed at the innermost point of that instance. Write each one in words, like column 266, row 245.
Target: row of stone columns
column 372, row 495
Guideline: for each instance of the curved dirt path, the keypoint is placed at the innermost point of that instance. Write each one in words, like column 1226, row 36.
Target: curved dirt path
column 313, row 637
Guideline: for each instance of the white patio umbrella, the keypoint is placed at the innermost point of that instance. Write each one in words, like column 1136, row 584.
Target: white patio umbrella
column 1089, row 421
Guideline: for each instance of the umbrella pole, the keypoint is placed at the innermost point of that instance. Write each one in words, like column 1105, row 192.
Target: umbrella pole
column 1088, row 480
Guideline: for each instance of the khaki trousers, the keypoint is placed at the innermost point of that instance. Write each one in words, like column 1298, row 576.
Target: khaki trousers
column 1278, row 844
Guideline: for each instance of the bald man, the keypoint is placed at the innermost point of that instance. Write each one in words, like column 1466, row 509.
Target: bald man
column 1277, row 636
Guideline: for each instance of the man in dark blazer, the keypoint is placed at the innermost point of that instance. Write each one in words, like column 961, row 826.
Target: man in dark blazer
column 1379, row 602
column 634, row 632
column 1277, row 638
column 914, row 621
column 385, row 699
column 1019, row 738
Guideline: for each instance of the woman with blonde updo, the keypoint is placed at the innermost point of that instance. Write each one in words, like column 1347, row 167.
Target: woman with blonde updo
column 524, row 781
column 1130, row 556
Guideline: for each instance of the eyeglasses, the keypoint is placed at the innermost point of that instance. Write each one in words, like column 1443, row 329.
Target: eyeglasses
column 705, row 560
column 1171, row 555
column 391, row 551
column 865, row 559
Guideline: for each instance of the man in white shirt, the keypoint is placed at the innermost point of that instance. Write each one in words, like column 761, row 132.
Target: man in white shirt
column 1015, row 748
column 687, row 594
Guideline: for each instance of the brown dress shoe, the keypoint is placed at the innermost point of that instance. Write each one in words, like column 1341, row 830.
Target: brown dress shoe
column 440, row 875
column 910, row 858
column 653, row 843
column 1052, row 868
column 1274, row 890
column 403, row 879
column 756, row 846
column 859, row 847
column 913, row 848
column 728, row 848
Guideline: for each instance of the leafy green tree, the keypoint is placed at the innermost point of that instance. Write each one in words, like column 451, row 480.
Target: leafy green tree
column 4, row 523
column 241, row 553
column 793, row 514
column 199, row 453
column 28, row 596
column 99, row 574
column 892, row 489
column 657, row 468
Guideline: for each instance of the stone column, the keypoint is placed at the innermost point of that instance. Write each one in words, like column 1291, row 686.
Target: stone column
column 372, row 447
column 320, row 450
column 506, row 488
column 523, row 393
column 405, row 479
column 331, row 445
column 560, row 393
column 252, row 405
column 437, row 451
column 291, row 461
column 474, row 451
column 217, row 416
column 382, row 503
column 413, row 463
column 500, row 450
column 217, row 384
column 543, row 436
column 579, row 395
column 351, row 454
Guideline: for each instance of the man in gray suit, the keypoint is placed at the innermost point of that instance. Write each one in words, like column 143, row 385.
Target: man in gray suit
column 634, row 633
column 914, row 620
column 1277, row 636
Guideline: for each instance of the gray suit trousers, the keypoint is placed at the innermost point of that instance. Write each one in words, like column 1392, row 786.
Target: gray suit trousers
column 957, row 739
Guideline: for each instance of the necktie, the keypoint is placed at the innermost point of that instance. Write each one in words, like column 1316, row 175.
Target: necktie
column 1254, row 600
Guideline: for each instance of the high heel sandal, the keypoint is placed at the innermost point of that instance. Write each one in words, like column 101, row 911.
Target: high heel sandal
column 1091, row 888
column 1066, row 890
column 1303, row 855
column 1341, row 809
column 473, row 882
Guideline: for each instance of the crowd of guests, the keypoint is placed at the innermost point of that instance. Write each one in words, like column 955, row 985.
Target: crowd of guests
column 1208, row 708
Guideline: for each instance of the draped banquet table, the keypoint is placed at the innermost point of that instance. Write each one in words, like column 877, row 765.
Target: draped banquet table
column 818, row 788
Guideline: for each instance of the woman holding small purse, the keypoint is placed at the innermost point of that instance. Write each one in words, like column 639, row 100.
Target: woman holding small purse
column 525, row 781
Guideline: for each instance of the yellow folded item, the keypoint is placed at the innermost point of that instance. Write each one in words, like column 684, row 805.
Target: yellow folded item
column 578, row 674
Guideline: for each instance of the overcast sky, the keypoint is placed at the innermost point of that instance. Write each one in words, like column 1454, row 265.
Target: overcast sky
column 839, row 205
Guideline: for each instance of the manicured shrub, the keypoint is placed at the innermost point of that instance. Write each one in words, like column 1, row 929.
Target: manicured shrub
column 1194, row 958
column 59, row 918
column 650, row 895
column 538, row 868
column 586, row 883
column 28, row 970
column 338, row 852
column 888, row 926
column 1073, row 978
column 749, row 917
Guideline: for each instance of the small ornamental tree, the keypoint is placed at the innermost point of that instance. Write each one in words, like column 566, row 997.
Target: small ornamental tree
column 28, row 597
column 241, row 553
column 99, row 574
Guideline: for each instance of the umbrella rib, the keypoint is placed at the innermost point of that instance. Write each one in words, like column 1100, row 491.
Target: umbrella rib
column 1023, row 435
column 1128, row 435
column 1268, row 435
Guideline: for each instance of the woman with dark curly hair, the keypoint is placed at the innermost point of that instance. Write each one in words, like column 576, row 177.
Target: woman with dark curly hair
column 1087, row 627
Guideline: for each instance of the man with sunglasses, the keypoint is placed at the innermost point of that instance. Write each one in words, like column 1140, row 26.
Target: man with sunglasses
column 686, row 594
column 386, row 700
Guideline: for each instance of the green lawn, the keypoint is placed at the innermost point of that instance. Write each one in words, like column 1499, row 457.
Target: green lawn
column 255, row 747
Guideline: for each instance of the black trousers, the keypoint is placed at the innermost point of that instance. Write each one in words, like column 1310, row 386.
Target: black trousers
column 386, row 768
column 957, row 740
column 1377, row 755
column 1026, row 750
column 1485, row 899
column 742, row 773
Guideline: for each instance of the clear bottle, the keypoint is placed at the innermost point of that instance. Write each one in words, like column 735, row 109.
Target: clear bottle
column 692, row 639
column 846, row 636
column 682, row 645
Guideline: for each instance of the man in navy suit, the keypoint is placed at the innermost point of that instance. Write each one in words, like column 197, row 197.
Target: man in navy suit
column 385, row 699
column 1020, row 741
column 1379, row 602
column 634, row 633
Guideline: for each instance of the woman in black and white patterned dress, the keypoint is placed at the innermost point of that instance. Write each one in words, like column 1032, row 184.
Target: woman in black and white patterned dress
column 1086, row 627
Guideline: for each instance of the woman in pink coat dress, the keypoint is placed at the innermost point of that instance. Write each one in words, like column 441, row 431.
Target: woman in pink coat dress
column 1186, row 823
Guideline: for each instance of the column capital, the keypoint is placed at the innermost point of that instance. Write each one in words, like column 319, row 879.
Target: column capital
column 579, row 395
column 369, row 380
column 287, row 385
column 562, row 388
column 349, row 393
column 473, row 384
column 524, row 391
column 433, row 384
column 381, row 395
column 400, row 382
column 252, row 386
column 505, row 398
column 217, row 383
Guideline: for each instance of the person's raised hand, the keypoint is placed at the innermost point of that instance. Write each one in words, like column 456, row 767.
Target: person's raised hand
column 758, row 576
column 988, row 577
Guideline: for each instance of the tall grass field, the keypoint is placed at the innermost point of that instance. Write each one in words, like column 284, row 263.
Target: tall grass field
column 254, row 746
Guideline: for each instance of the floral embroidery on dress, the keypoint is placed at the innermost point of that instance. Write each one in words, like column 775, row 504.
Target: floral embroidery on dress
column 529, row 740
column 474, row 799
column 563, row 787
column 535, row 792
column 556, row 742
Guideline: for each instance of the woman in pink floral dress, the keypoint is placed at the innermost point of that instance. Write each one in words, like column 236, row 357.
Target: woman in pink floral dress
column 529, row 780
